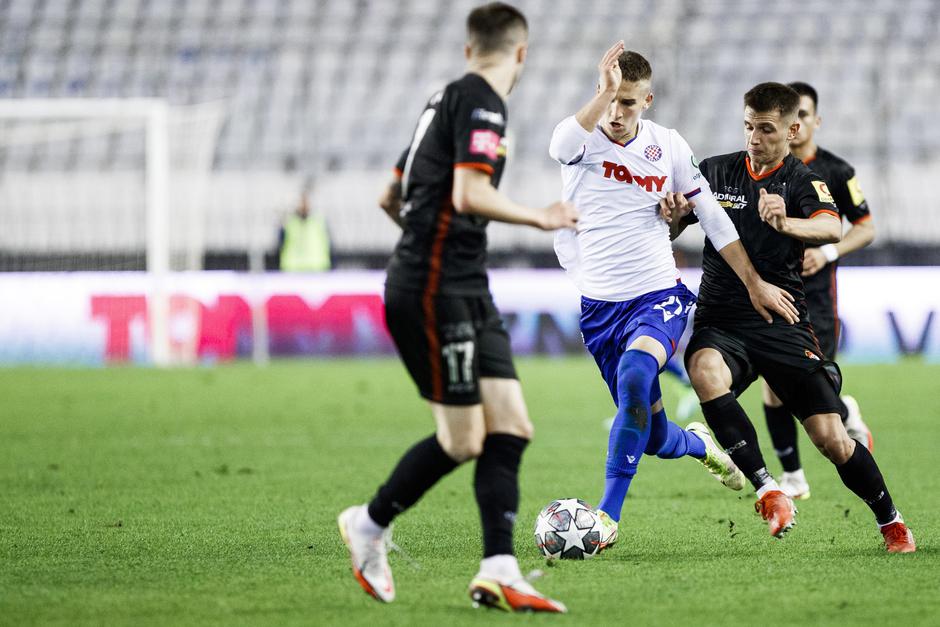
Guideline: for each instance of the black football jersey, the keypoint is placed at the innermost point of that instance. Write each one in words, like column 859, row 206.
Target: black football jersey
column 722, row 298
column 840, row 177
column 442, row 251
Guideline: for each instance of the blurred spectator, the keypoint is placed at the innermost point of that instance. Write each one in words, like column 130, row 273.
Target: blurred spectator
column 304, row 242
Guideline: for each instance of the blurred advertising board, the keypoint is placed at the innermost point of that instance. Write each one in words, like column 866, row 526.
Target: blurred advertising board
column 100, row 318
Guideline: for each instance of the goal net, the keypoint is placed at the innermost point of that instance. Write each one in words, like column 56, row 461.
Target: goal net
column 107, row 185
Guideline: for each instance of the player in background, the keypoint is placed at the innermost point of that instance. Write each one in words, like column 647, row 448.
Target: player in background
column 777, row 205
column 819, row 279
column 617, row 168
column 443, row 321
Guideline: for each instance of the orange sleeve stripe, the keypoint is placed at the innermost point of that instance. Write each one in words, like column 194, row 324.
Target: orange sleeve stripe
column 828, row 211
column 862, row 220
column 485, row 167
column 397, row 172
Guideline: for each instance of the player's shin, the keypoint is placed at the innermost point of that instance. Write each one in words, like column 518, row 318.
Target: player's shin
column 630, row 432
column 496, row 485
column 861, row 475
column 423, row 465
column 734, row 431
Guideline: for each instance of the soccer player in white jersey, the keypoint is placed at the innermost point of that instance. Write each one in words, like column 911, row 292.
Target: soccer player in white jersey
column 621, row 171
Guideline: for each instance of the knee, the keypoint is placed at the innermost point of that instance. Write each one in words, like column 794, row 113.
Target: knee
column 837, row 449
column 461, row 447
column 635, row 376
column 522, row 428
column 705, row 372
column 834, row 443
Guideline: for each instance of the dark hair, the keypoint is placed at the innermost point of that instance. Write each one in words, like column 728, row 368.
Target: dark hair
column 634, row 67
column 491, row 27
column 768, row 97
column 805, row 89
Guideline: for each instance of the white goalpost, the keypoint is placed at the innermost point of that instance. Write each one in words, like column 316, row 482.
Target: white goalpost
column 83, row 177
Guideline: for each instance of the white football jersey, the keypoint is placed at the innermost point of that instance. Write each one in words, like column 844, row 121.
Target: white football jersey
column 621, row 249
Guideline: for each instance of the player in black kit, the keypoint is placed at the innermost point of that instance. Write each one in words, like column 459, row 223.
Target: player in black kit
column 819, row 278
column 443, row 321
column 777, row 205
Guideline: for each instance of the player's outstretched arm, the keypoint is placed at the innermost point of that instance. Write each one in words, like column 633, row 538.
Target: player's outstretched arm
column 765, row 297
column 473, row 193
column 571, row 133
column 824, row 228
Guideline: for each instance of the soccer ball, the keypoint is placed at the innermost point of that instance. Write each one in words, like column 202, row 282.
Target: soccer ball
column 568, row 529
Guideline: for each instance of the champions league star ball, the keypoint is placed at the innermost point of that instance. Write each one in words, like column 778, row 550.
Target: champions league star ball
column 568, row 529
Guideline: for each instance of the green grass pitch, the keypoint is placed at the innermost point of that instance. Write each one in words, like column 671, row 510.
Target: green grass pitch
column 209, row 496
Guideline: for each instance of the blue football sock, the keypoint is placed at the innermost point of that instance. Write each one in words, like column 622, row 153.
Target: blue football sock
column 667, row 439
column 678, row 442
column 631, row 429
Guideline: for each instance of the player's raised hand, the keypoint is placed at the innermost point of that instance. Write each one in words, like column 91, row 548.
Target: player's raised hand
column 773, row 210
column 609, row 69
column 559, row 215
column 765, row 296
column 813, row 261
column 674, row 207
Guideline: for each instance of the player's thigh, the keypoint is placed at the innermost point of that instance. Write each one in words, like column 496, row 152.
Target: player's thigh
column 646, row 340
column 717, row 363
column 461, row 429
column 504, row 407
column 436, row 339
column 806, row 392
column 788, row 359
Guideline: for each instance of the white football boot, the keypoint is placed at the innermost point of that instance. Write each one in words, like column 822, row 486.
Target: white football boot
column 369, row 554
column 503, row 587
column 716, row 461
column 609, row 530
column 794, row 485
column 855, row 426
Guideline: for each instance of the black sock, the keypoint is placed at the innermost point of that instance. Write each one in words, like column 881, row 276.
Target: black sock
column 861, row 475
column 782, row 427
column 734, row 431
column 496, row 483
column 418, row 469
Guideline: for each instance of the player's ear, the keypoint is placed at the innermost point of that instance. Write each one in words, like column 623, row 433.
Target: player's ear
column 467, row 51
column 522, row 51
column 818, row 121
column 649, row 101
column 794, row 129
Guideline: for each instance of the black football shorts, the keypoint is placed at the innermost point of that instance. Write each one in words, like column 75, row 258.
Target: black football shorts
column 448, row 342
column 826, row 327
column 787, row 356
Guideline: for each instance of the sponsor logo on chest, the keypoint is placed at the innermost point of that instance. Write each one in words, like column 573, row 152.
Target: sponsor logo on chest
column 731, row 198
column 622, row 173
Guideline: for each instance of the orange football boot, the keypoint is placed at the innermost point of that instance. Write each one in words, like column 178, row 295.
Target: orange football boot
column 898, row 538
column 777, row 509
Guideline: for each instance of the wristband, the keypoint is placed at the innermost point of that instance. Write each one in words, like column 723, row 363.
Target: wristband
column 830, row 252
